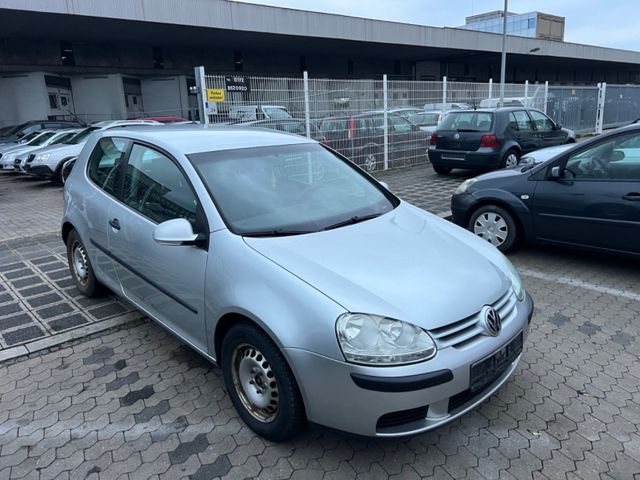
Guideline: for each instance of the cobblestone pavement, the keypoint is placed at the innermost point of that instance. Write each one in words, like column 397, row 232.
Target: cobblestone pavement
column 137, row 403
column 29, row 207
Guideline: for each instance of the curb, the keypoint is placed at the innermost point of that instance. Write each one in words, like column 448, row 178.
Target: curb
column 68, row 336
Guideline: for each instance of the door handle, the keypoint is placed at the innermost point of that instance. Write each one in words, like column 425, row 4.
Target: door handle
column 632, row 196
column 115, row 224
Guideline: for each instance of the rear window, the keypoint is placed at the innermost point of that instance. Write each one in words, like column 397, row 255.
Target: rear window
column 468, row 121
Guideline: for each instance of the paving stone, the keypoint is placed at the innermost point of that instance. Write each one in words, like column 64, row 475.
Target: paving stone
column 107, row 311
column 68, row 321
column 30, row 291
column 15, row 321
column 54, row 310
column 10, row 309
column 186, row 449
column 23, row 335
column 135, row 395
column 36, row 302
column 25, row 282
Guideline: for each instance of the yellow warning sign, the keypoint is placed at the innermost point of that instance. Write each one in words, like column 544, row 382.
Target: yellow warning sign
column 215, row 94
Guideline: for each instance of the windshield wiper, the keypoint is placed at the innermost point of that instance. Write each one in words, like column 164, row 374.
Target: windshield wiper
column 352, row 220
column 279, row 232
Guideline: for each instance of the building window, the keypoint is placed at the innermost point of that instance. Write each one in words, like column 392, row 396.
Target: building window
column 53, row 101
column 531, row 23
column 349, row 67
column 66, row 54
column 238, row 61
column 158, row 59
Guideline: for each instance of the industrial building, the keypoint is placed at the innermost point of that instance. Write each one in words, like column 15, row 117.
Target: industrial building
column 124, row 58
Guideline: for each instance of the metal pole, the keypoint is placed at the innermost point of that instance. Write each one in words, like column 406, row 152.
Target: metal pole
column 444, row 93
column 307, row 117
column 503, row 61
column 546, row 96
column 490, row 89
column 602, row 92
column 526, row 93
column 386, row 121
column 201, row 86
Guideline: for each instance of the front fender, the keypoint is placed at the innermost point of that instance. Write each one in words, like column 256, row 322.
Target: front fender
column 510, row 200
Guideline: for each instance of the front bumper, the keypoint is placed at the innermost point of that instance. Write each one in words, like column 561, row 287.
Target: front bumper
column 39, row 170
column 333, row 398
column 460, row 205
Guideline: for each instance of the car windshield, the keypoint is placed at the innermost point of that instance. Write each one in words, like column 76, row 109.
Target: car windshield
column 276, row 112
column 42, row 138
column 27, row 138
column 61, row 138
column 467, row 121
column 289, row 189
column 424, row 119
column 81, row 136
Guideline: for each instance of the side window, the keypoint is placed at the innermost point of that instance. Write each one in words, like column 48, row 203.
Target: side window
column 155, row 187
column 522, row 120
column 541, row 121
column 615, row 159
column 399, row 124
column 104, row 163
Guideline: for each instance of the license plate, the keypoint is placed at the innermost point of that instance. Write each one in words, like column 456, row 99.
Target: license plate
column 487, row 370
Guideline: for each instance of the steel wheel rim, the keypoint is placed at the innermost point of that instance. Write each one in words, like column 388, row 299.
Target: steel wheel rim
column 492, row 227
column 255, row 383
column 80, row 263
column 512, row 160
column 370, row 162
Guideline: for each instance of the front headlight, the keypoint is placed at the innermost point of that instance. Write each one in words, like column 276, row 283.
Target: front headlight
column 42, row 157
column 526, row 161
column 463, row 187
column 516, row 282
column 9, row 157
column 376, row 340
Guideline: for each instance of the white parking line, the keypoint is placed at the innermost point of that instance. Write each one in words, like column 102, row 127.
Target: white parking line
column 579, row 283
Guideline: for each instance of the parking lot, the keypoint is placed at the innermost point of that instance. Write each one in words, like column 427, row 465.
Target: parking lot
column 134, row 402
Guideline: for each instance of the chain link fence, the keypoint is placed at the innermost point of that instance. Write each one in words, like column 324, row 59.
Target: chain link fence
column 382, row 123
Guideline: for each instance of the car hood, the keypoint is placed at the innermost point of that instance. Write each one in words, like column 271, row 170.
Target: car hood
column 406, row 264
column 20, row 149
column 62, row 149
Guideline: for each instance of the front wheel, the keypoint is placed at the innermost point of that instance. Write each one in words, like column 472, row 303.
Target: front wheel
column 495, row 225
column 261, row 384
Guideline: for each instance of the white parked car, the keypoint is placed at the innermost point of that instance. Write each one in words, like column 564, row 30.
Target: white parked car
column 47, row 162
column 246, row 113
column 16, row 158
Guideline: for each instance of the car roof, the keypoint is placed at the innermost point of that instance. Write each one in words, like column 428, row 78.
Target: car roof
column 190, row 139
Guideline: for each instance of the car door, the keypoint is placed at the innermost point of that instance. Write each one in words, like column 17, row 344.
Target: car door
column 548, row 132
column 165, row 281
column 596, row 200
column 521, row 129
column 104, row 170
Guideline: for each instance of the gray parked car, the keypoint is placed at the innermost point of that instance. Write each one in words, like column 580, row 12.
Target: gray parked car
column 322, row 296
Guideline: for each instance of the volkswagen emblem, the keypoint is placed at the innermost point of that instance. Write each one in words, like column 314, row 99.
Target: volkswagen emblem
column 492, row 321
column 456, row 136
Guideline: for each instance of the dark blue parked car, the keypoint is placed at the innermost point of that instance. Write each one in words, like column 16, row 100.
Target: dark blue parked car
column 586, row 195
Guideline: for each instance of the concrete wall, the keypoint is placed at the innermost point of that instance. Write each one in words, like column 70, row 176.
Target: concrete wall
column 99, row 97
column 165, row 96
column 23, row 97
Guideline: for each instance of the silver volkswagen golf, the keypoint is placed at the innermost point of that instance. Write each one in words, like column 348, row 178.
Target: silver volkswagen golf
column 322, row 296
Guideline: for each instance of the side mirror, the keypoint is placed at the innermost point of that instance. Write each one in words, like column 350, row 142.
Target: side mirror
column 384, row 184
column 174, row 232
column 555, row 173
column 558, row 126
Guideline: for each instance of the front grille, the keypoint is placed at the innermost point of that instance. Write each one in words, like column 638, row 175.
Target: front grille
column 468, row 395
column 395, row 419
column 463, row 332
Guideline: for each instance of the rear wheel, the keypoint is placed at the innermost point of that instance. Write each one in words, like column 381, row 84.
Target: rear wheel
column 370, row 160
column 80, row 267
column 440, row 170
column 510, row 159
column 261, row 384
column 496, row 225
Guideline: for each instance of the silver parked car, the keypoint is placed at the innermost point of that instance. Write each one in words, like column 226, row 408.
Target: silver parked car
column 322, row 296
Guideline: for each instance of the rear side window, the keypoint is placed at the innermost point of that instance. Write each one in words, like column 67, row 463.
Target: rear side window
column 333, row 125
column 104, row 163
column 155, row 187
column 521, row 120
column 541, row 121
column 468, row 121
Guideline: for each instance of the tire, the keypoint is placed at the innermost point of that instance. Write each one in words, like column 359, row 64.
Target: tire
column 505, row 233
column 441, row 170
column 510, row 159
column 273, row 409
column 80, row 267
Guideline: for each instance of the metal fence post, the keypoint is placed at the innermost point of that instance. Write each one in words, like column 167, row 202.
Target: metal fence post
column 490, row 89
column 386, row 120
column 546, row 96
column 201, row 86
column 602, row 91
column 444, row 92
column 526, row 93
column 307, row 115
